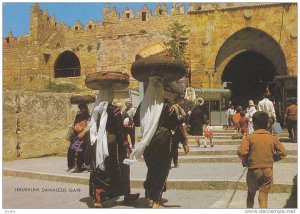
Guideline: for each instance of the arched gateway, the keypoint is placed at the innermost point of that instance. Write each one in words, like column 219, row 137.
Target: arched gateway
column 67, row 65
column 249, row 59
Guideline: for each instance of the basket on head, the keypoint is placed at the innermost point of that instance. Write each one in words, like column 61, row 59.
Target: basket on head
column 169, row 68
column 156, row 49
column 82, row 99
column 117, row 80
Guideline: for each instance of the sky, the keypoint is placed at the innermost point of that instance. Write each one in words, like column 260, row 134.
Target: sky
column 16, row 16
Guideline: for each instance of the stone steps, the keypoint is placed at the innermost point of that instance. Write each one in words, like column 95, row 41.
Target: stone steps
column 192, row 143
column 203, row 151
column 224, row 159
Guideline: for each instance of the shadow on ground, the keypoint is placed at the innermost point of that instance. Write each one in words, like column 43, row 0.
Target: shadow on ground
column 286, row 140
column 114, row 202
column 292, row 201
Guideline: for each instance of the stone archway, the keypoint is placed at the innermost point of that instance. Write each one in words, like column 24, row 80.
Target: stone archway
column 249, row 59
column 67, row 64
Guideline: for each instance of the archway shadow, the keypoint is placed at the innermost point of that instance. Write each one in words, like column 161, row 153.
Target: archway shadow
column 118, row 201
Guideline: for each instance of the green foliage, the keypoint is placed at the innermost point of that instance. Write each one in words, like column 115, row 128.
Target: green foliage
column 178, row 40
column 64, row 87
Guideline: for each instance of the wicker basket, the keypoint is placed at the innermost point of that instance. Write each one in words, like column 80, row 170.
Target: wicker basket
column 170, row 69
column 154, row 50
column 82, row 99
column 117, row 80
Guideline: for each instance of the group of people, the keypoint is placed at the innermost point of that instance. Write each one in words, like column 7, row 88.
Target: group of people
column 241, row 119
column 260, row 148
column 100, row 144
column 79, row 157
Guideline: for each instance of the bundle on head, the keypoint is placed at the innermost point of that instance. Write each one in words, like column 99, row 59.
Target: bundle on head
column 168, row 68
column 117, row 80
column 82, row 99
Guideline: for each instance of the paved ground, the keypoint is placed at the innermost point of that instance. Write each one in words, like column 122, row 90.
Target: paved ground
column 217, row 182
column 67, row 195
column 201, row 171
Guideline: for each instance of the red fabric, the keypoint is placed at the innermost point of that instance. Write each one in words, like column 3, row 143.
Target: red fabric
column 291, row 112
column 236, row 120
column 244, row 124
column 208, row 133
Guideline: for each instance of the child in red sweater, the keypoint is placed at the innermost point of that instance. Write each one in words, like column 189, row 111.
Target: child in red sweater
column 236, row 120
column 244, row 123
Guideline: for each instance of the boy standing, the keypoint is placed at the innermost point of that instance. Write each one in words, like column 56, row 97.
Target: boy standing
column 258, row 151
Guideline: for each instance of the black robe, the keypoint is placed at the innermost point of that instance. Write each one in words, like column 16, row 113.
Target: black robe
column 157, row 154
column 197, row 120
column 114, row 180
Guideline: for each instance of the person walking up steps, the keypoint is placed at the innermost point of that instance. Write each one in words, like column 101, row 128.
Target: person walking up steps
column 236, row 122
column 249, row 113
column 197, row 121
column 258, row 151
column 230, row 113
column 208, row 135
column 291, row 120
column 244, row 121
column 266, row 105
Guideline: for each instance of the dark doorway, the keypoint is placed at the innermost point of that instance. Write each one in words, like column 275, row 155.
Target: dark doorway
column 249, row 73
column 67, row 65
column 143, row 16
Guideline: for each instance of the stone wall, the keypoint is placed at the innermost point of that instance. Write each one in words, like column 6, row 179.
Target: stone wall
column 42, row 120
column 113, row 43
column 43, row 123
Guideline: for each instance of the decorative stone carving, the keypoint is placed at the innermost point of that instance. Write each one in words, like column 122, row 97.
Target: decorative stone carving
column 205, row 41
column 294, row 35
column 247, row 14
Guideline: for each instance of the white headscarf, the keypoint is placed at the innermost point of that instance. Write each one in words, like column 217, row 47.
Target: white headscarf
column 150, row 111
column 105, row 96
column 190, row 94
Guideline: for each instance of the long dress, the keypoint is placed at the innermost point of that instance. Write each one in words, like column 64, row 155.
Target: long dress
column 157, row 154
column 77, row 152
column 196, row 121
column 114, row 180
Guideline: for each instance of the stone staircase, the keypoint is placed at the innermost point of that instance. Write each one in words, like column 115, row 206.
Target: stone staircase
column 225, row 149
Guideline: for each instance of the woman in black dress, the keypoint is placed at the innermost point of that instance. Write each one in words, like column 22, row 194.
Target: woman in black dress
column 109, row 177
column 197, row 120
column 156, row 149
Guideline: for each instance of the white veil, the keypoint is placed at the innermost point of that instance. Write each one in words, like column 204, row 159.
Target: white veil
column 105, row 96
column 150, row 111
